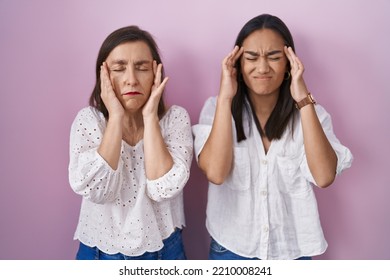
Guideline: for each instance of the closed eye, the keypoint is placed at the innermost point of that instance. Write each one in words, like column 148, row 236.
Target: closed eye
column 118, row 69
column 251, row 58
column 142, row 68
column 143, row 65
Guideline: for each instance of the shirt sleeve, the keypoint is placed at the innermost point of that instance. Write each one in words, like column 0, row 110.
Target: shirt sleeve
column 89, row 174
column 176, row 131
column 344, row 155
column 201, row 131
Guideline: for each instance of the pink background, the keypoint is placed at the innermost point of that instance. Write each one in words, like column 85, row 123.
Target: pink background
column 47, row 59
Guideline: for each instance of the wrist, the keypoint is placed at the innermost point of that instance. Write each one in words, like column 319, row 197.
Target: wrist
column 115, row 118
column 150, row 119
column 309, row 99
column 222, row 100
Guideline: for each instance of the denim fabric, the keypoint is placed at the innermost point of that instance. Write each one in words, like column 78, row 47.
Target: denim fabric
column 218, row 252
column 173, row 250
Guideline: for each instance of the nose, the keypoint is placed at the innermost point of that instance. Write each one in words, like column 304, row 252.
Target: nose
column 131, row 77
column 262, row 65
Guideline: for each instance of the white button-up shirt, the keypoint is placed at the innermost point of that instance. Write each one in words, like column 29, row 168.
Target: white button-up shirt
column 122, row 211
column 266, row 208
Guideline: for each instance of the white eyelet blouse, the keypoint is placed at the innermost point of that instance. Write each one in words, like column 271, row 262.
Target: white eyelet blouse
column 122, row 211
column 266, row 208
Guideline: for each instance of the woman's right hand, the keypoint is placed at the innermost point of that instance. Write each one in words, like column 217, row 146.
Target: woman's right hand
column 113, row 105
column 229, row 73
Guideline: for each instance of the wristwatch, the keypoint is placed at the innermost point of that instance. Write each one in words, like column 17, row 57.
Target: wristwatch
column 305, row 101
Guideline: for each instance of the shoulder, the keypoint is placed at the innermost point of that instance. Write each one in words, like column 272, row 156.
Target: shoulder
column 209, row 106
column 176, row 110
column 208, row 110
column 210, row 102
column 175, row 114
column 88, row 115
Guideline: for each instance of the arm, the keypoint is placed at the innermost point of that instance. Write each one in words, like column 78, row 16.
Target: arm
column 158, row 160
column 176, row 130
column 321, row 157
column 93, row 163
column 216, row 157
column 110, row 146
column 89, row 174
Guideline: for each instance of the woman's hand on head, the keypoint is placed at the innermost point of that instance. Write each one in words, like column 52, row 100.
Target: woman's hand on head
column 229, row 73
column 112, row 103
column 298, row 87
column 150, row 108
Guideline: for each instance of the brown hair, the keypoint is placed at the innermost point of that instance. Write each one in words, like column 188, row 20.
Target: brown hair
column 123, row 35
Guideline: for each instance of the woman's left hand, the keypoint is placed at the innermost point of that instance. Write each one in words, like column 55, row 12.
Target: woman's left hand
column 298, row 87
column 151, row 106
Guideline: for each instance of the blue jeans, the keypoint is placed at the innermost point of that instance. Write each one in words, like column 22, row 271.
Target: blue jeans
column 173, row 250
column 218, row 252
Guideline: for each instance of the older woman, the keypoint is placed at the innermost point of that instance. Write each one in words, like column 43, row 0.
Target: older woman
column 130, row 157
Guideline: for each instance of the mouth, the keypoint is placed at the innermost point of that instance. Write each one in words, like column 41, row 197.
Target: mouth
column 132, row 93
column 262, row 78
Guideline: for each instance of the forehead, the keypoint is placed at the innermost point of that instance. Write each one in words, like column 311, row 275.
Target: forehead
column 262, row 40
column 131, row 51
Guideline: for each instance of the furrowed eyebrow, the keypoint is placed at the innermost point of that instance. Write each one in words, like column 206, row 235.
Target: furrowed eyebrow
column 273, row 52
column 122, row 62
column 141, row 62
column 267, row 54
column 252, row 53
column 119, row 62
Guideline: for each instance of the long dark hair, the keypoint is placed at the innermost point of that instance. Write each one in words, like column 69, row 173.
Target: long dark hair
column 123, row 35
column 284, row 108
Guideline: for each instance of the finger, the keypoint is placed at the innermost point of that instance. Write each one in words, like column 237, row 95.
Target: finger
column 157, row 75
column 299, row 63
column 232, row 53
column 164, row 83
column 154, row 65
column 103, row 77
column 237, row 54
column 287, row 53
column 156, row 94
column 233, row 56
column 291, row 57
column 294, row 58
column 228, row 57
column 105, row 72
column 105, row 83
column 106, row 76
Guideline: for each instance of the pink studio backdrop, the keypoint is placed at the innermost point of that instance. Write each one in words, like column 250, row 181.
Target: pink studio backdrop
column 47, row 58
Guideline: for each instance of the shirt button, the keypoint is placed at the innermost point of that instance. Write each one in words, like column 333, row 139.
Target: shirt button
column 266, row 229
column 264, row 162
column 264, row 193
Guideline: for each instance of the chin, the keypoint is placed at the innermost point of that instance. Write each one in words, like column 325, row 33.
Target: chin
column 261, row 93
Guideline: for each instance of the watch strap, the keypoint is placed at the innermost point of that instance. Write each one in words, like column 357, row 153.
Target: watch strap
column 305, row 101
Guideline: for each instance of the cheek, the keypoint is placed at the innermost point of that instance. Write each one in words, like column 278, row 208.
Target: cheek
column 115, row 83
column 247, row 69
column 147, row 82
column 281, row 72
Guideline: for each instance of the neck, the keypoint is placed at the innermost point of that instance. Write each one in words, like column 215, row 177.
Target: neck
column 133, row 128
column 133, row 120
column 264, row 104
